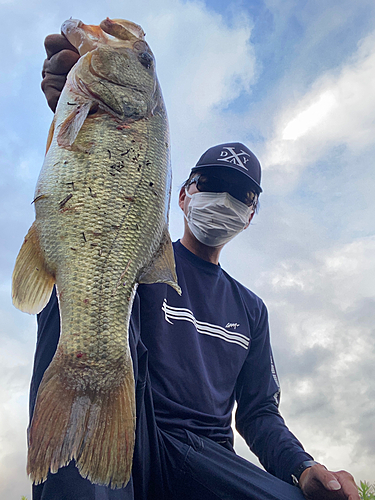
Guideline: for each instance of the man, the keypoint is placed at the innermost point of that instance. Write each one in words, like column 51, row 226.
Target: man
column 195, row 355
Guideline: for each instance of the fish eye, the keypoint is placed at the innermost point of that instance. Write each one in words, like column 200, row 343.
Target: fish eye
column 140, row 46
column 146, row 59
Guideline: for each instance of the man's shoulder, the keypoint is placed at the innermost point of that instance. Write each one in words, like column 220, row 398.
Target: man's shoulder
column 248, row 295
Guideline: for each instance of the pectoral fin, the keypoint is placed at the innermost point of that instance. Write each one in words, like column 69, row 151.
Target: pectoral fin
column 32, row 282
column 50, row 134
column 72, row 125
column 162, row 268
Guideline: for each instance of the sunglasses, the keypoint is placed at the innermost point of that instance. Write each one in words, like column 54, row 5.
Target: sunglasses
column 212, row 184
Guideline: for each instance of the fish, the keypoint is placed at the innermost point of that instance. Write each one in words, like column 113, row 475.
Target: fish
column 101, row 227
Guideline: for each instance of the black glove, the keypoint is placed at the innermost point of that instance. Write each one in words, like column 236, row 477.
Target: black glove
column 61, row 57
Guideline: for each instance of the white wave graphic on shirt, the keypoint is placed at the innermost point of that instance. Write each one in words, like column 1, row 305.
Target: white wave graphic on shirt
column 182, row 314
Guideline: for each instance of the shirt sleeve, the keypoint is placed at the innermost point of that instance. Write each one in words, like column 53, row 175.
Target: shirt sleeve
column 257, row 417
column 47, row 339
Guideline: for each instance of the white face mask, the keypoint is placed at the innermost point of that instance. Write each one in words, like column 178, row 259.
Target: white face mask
column 216, row 218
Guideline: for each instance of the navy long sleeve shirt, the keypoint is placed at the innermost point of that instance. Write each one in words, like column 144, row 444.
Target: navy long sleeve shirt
column 207, row 349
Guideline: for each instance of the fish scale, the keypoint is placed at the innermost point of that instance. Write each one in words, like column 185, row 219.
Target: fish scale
column 101, row 205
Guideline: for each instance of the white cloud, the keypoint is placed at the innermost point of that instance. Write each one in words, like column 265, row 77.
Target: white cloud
column 337, row 110
column 309, row 118
column 208, row 64
column 343, row 272
column 203, row 64
column 17, row 338
column 325, row 348
column 351, row 269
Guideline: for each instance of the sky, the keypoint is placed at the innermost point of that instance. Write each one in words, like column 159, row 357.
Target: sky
column 293, row 80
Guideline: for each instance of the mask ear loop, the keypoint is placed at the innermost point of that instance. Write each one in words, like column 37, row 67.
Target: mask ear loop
column 189, row 196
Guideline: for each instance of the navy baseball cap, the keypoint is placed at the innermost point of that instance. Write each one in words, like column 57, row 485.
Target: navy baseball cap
column 232, row 155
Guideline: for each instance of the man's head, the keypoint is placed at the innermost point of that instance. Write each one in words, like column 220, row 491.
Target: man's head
column 230, row 168
column 221, row 194
column 231, row 159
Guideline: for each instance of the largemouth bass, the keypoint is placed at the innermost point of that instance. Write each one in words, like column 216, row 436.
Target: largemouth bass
column 101, row 203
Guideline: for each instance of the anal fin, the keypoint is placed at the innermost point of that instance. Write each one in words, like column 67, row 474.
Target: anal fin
column 32, row 282
column 162, row 268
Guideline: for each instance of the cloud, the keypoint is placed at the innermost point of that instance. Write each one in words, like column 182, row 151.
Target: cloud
column 333, row 112
column 17, row 343
column 309, row 118
column 213, row 62
column 208, row 64
column 322, row 315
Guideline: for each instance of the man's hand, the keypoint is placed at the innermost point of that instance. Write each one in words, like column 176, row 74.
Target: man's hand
column 317, row 483
column 61, row 57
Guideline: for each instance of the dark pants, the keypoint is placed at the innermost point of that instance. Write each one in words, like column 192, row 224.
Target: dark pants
column 199, row 469
column 165, row 467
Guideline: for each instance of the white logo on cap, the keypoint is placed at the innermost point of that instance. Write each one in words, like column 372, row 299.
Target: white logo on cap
column 230, row 156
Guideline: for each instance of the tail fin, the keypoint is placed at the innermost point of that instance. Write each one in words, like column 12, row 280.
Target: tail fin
column 95, row 428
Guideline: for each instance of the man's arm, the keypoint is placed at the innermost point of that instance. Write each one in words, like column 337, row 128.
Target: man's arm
column 260, row 423
column 61, row 57
column 257, row 418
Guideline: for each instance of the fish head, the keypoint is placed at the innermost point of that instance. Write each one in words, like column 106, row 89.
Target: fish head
column 117, row 67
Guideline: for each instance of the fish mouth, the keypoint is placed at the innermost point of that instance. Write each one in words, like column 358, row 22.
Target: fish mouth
column 86, row 37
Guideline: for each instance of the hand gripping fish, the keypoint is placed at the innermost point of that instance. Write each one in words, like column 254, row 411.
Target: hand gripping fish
column 101, row 203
